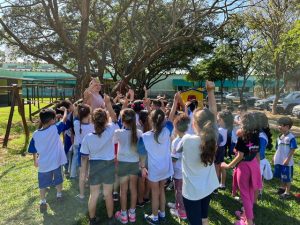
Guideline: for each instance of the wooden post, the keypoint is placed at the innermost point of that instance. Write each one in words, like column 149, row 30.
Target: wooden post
column 11, row 113
column 56, row 92
column 43, row 89
column 33, row 96
column 21, row 110
column 51, row 97
column 38, row 96
column 30, row 110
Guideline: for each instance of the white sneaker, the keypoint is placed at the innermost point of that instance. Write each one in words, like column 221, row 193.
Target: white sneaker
column 174, row 212
column 171, row 205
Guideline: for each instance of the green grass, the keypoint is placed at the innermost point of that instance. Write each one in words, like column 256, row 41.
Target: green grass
column 20, row 195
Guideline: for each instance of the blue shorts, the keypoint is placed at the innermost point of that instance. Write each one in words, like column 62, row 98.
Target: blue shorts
column 67, row 143
column 219, row 157
column 284, row 173
column 50, row 178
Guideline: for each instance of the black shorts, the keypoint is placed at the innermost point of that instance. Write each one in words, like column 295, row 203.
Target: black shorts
column 102, row 172
column 128, row 168
column 219, row 158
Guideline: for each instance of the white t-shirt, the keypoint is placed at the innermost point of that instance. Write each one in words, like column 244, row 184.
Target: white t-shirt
column 199, row 180
column 126, row 152
column 284, row 145
column 223, row 133
column 100, row 147
column 47, row 143
column 178, row 155
column 190, row 126
column 86, row 128
column 159, row 155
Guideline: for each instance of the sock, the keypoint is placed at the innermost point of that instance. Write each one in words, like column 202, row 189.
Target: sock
column 43, row 201
column 162, row 214
column 132, row 211
column 123, row 213
column 58, row 194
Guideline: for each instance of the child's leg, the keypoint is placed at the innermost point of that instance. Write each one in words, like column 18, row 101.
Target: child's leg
column 43, row 194
column 82, row 177
column 124, row 189
column 133, row 191
column 94, row 195
column 162, row 196
column 193, row 211
column 147, row 190
column 288, row 187
column 247, row 193
column 141, row 189
column 74, row 163
column 109, row 202
column 155, row 197
column 178, row 195
column 204, row 209
column 217, row 166
column 59, row 188
column 223, row 177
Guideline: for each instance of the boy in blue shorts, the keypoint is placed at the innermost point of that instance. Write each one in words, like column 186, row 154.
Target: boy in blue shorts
column 48, row 153
column 283, row 158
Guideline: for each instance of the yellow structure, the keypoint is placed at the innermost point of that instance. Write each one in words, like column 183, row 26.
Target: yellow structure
column 193, row 94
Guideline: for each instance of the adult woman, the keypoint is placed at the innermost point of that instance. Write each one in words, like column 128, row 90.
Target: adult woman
column 92, row 96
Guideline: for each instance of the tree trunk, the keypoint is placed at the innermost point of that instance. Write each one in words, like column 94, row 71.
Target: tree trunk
column 277, row 91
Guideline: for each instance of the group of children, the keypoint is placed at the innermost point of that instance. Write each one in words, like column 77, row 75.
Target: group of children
column 136, row 145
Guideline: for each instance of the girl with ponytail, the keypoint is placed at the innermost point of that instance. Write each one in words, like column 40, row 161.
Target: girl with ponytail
column 156, row 144
column 99, row 148
column 198, row 169
column 128, row 164
column 82, row 127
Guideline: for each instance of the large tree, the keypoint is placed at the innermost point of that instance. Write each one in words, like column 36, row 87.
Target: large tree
column 84, row 37
column 272, row 19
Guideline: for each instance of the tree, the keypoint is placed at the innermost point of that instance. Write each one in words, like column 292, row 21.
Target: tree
column 272, row 19
column 86, row 37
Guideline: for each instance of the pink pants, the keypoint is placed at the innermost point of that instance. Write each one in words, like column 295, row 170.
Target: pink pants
column 178, row 195
column 248, row 180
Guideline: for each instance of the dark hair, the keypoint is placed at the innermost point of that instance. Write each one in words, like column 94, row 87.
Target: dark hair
column 144, row 118
column 83, row 111
column 47, row 115
column 228, row 118
column 242, row 108
column 285, row 121
column 156, row 103
column 100, row 120
column 137, row 106
column 65, row 103
column 117, row 108
column 193, row 105
column 182, row 122
column 205, row 120
column 263, row 125
column 128, row 117
column 157, row 118
column 250, row 127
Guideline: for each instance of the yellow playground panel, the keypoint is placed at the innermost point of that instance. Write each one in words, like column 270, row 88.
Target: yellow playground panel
column 193, row 94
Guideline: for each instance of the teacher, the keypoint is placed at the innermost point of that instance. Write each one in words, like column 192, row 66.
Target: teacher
column 91, row 95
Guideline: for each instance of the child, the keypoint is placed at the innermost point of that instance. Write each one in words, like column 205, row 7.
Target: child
column 181, row 125
column 82, row 127
column 283, row 158
column 225, row 122
column 49, row 157
column 100, row 149
column 248, row 175
column 198, row 170
column 156, row 144
column 128, row 164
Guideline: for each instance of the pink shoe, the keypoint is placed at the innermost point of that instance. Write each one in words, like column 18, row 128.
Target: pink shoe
column 122, row 218
column 240, row 215
column 182, row 215
column 132, row 217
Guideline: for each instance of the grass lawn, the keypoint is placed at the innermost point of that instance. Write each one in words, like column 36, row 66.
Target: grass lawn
column 20, row 195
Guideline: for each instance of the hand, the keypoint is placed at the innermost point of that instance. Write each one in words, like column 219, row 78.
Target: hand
column 145, row 88
column 224, row 165
column 210, row 85
column 106, row 99
column 144, row 172
column 286, row 162
column 36, row 163
column 62, row 108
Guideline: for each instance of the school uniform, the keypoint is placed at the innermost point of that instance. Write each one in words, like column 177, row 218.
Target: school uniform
column 100, row 149
column 199, row 181
column 51, row 156
column 127, row 155
column 265, row 167
column 68, row 138
column 222, row 140
column 284, row 144
column 85, row 128
column 158, row 153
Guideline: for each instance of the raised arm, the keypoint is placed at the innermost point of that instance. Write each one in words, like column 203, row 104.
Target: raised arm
column 109, row 108
column 174, row 106
column 210, row 87
column 146, row 92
